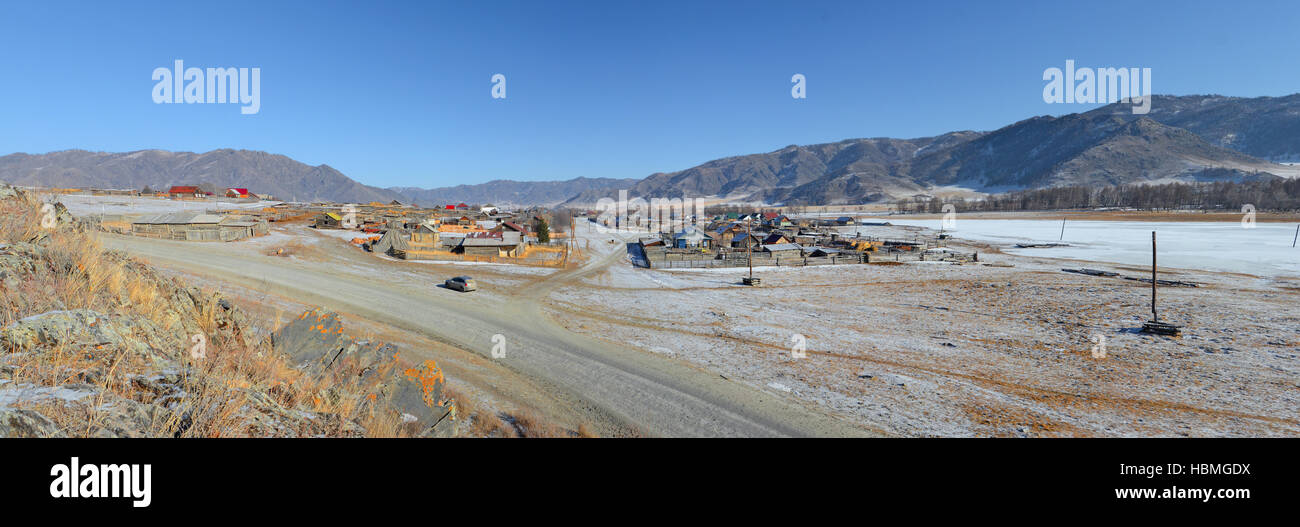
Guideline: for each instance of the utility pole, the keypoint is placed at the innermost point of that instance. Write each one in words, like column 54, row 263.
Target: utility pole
column 1063, row 229
column 1297, row 235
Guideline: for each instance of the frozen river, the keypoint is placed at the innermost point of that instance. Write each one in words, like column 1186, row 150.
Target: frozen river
column 1264, row 250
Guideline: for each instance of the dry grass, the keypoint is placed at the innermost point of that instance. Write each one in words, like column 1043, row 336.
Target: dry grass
column 529, row 424
column 487, row 422
column 237, row 389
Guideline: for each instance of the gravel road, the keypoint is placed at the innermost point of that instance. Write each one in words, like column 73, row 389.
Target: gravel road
column 616, row 386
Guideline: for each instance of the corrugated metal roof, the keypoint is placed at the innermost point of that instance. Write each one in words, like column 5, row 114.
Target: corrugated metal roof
column 781, row 247
column 506, row 239
column 179, row 218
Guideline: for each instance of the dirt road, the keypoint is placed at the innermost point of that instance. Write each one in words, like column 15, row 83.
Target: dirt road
column 616, row 386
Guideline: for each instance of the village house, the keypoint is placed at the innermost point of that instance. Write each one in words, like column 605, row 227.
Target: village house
column 239, row 193
column 425, row 235
column 499, row 244
column 746, row 240
column 511, row 226
column 329, row 220
column 774, row 220
column 776, row 238
column 724, row 235
column 185, row 191
column 690, row 237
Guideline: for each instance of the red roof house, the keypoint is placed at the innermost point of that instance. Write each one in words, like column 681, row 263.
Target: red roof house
column 185, row 191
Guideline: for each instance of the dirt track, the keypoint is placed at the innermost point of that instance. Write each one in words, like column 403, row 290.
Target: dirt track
column 617, row 387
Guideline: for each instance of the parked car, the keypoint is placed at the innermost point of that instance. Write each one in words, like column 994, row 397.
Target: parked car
column 463, row 284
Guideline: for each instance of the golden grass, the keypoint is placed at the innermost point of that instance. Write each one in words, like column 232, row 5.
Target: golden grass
column 224, row 392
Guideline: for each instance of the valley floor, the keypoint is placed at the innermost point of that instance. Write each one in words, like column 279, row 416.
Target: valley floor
column 1017, row 348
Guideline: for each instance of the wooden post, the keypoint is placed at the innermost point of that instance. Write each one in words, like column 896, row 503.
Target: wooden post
column 1154, row 316
column 749, row 238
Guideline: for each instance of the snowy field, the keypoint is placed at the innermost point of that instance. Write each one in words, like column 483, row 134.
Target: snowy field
column 81, row 205
column 1264, row 250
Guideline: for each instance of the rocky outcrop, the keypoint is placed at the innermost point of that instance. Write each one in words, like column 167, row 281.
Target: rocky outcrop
column 316, row 343
column 27, row 423
column 107, row 347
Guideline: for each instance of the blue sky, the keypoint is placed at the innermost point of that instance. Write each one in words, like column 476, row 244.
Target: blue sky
column 400, row 93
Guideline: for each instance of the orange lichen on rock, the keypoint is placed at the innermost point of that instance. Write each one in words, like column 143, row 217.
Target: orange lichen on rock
column 429, row 375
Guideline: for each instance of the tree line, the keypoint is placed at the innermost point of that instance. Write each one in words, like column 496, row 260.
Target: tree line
column 1272, row 195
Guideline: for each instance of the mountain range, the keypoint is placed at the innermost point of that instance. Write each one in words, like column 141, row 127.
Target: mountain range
column 1182, row 138
column 504, row 192
column 263, row 173
column 1194, row 137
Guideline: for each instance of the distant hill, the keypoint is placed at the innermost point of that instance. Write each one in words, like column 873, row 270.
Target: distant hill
column 260, row 172
column 504, row 192
column 751, row 177
column 1263, row 127
column 1225, row 138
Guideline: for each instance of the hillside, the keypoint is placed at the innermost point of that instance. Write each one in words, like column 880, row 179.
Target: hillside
column 94, row 343
column 504, row 192
column 261, row 172
column 1107, row 146
column 756, row 175
column 1263, row 127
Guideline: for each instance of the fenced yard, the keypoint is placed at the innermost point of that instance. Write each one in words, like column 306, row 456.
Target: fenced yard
column 530, row 255
column 655, row 257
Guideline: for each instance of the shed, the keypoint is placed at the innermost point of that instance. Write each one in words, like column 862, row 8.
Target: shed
column 821, row 251
column 781, row 248
column 393, row 242
column 188, row 226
